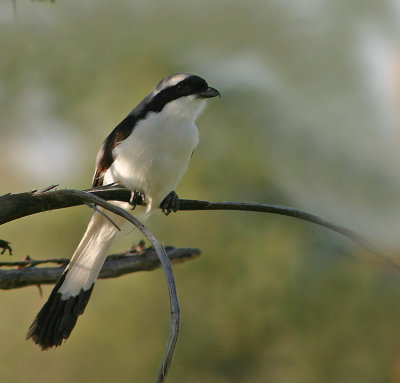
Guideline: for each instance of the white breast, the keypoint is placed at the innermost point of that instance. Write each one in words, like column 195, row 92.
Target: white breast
column 155, row 156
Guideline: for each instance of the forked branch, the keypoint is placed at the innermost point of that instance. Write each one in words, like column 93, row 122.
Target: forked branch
column 14, row 206
column 9, row 205
column 25, row 273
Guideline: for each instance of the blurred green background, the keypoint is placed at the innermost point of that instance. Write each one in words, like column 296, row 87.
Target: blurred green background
column 309, row 117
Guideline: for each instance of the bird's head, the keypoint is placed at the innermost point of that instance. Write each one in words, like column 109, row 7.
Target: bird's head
column 182, row 94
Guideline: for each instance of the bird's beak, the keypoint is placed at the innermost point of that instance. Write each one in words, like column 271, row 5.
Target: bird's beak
column 208, row 93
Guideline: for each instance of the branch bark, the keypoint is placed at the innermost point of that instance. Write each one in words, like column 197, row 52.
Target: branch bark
column 14, row 206
column 27, row 274
column 84, row 197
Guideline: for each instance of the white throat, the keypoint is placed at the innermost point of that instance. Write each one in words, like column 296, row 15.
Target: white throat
column 186, row 109
column 155, row 156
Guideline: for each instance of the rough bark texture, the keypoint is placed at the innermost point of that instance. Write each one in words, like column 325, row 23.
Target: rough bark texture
column 14, row 206
column 26, row 274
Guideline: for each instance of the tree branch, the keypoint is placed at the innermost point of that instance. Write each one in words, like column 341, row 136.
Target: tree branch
column 79, row 197
column 14, row 206
column 27, row 274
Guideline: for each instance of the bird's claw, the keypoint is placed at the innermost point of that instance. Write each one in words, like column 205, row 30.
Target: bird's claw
column 170, row 203
column 5, row 245
column 137, row 198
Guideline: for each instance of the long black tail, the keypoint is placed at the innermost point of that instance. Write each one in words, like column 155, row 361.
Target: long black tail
column 71, row 293
column 58, row 317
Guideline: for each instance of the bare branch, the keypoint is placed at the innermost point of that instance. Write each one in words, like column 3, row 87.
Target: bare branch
column 14, row 206
column 94, row 207
column 290, row 212
column 116, row 265
column 86, row 197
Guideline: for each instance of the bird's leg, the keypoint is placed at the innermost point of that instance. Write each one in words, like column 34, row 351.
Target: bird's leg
column 137, row 198
column 5, row 245
column 170, row 203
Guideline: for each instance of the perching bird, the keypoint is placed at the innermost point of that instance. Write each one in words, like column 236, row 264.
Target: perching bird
column 148, row 153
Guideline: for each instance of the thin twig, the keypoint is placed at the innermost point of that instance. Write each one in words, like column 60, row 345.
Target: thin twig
column 166, row 264
column 33, row 262
column 14, row 206
column 25, row 273
column 46, row 189
column 190, row 205
column 95, row 208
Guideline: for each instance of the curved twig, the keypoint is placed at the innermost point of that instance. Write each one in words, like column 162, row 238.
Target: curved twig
column 189, row 205
column 94, row 207
column 14, row 206
column 85, row 197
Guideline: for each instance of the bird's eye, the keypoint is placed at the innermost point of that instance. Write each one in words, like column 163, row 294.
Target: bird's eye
column 184, row 88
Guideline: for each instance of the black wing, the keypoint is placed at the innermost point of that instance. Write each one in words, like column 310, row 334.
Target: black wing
column 105, row 156
column 151, row 103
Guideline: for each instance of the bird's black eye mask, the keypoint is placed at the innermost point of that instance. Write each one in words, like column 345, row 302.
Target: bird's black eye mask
column 189, row 86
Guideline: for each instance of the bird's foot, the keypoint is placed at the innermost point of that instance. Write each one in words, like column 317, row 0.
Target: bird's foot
column 137, row 198
column 170, row 203
column 5, row 245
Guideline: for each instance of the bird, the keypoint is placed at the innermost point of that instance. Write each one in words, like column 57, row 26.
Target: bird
column 148, row 152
